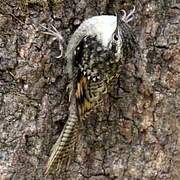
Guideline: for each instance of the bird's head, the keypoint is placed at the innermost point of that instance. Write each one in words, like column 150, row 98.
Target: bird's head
column 122, row 42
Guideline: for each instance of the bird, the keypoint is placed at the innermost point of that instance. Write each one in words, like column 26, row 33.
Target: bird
column 94, row 54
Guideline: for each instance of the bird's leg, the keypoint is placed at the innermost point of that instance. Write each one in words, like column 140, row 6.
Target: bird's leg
column 57, row 36
column 128, row 17
column 124, row 15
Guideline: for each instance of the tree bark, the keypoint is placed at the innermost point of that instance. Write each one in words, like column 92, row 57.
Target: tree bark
column 133, row 135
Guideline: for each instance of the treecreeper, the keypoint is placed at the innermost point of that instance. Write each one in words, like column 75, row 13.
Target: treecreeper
column 94, row 54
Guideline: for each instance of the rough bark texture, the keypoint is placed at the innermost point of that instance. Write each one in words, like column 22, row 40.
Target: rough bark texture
column 134, row 136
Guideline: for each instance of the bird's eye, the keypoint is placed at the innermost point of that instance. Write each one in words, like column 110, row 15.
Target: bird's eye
column 115, row 37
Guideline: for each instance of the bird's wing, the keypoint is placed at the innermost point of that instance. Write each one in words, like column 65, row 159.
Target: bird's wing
column 83, row 99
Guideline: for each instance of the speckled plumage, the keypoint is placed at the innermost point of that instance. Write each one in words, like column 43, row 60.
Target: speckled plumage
column 94, row 54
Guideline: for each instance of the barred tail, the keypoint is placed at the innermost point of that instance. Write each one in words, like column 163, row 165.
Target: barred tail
column 64, row 146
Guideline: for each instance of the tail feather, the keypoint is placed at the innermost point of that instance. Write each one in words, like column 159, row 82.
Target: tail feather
column 62, row 150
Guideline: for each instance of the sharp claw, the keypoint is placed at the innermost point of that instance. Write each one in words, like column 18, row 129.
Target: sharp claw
column 54, row 29
column 128, row 17
column 124, row 15
column 58, row 57
column 43, row 26
column 48, row 33
column 57, row 35
column 134, row 8
column 131, row 13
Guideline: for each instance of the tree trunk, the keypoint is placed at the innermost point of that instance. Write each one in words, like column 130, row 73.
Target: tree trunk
column 133, row 135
